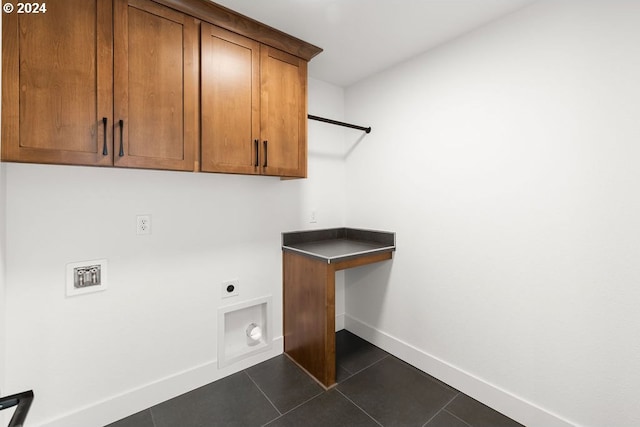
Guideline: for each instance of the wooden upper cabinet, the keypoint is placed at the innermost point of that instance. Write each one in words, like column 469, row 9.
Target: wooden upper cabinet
column 155, row 86
column 72, row 74
column 254, row 107
column 57, row 84
column 283, row 112
column 230, row 99
column 161, row 84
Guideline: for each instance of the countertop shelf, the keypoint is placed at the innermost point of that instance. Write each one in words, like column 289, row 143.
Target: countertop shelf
column 339, row 244
column 310, row 260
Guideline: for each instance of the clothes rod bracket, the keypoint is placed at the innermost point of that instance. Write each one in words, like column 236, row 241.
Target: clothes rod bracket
column 335, row 122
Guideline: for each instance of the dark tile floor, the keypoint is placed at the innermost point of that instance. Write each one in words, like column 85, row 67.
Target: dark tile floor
column 374, row 389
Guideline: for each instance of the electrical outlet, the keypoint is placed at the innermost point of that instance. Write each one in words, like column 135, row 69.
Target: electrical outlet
column 313, row 218
column 143, row 224
column 230, row 288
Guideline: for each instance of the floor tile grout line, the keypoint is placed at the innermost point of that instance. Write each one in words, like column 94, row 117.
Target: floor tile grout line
column 442, row 412
column 467, row 396
column 153, row 419
column 305, row 402
column 358, row 406
column 429, row 376
column 442, row 409
column 263, row 393
column 421, row 372
column 370, row 365
column 456, row 417
column 271, row 421
column 295, row 407
column 342, row 367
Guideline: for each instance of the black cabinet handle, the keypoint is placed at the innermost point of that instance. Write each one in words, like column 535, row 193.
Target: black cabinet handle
column 255, row 143
column 104, row 145
column 121, row 153
column 265, row 154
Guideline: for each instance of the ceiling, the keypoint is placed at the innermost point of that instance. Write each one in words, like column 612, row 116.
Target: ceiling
column 363, row 37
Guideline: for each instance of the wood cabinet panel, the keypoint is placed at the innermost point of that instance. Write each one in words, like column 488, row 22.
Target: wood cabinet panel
column 57, row 84
column 155, row 86
column 120, row 83
column 278, row 141
column 254, row 112
column 230, row 102
column 309, row 315
column 283, row 113
column 308, row 301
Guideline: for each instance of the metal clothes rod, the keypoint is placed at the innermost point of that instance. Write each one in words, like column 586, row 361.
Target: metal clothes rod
column 335, row 122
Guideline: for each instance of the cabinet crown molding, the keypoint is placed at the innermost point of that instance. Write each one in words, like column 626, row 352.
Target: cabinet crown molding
column 228, row 19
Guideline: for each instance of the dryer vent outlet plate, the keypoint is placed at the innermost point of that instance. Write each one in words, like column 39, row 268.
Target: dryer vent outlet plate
column 244, row 329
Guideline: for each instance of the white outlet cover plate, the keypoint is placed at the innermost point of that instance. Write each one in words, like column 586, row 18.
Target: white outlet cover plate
column 73, row 291
column 143, row 224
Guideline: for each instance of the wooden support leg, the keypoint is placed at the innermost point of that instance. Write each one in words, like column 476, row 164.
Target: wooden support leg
column 309, row 315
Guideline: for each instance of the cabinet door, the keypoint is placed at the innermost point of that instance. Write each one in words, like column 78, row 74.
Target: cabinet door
column 230, row 98
column 57, row 76
column 155, row 86
column 283, row 105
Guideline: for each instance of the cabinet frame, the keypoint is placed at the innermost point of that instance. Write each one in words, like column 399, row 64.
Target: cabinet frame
column 228, row 19
column 111, row 34
column 254, row 107
column 218, row 154
column 122, row 96
column 277, row 142
column 11, row 142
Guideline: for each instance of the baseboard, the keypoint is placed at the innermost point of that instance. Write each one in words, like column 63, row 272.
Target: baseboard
column 513, row 406
column 340, row 322
column 128, row 403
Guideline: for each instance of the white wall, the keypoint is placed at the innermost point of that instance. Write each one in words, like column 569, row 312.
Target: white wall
column 152, row 334
column 3, row 346
column 2, row 278
column 507, row 162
